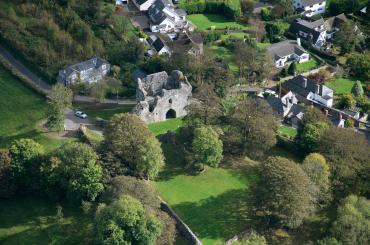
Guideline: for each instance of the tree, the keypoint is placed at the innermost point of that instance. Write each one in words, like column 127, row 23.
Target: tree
column 129, row 147
column 359, row 65
column 125, row 222
column 347, row 38
column 349, row 123
column 99, row 91
column 25, row 157
column 347, row 153
column 317, row 170
column 283, row 72
column 352, row 225
column 310, row 135
column 114, row 86
column 60, row 98
column 253, row 239
column 116, row 71
column 74, row 169
column 284, row 192
column 146, row 194
column 207, row 147
column 347, row 101
column 357, row 89
column 313, row 115
column 327, row 241
column 253, row 127
column 292, row 69
column 274, row 31
column 7, row 186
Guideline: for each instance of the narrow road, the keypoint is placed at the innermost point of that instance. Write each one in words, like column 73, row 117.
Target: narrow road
column 40, row 83
column 22, row 69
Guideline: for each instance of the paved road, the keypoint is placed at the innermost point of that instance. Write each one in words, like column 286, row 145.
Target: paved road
column 22, row 69
column 73, row 123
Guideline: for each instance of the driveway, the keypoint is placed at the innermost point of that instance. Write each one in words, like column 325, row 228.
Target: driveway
column 141, row 22
column 73, row 123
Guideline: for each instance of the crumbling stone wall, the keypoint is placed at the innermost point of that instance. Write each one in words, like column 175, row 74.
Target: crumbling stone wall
column 161, row 97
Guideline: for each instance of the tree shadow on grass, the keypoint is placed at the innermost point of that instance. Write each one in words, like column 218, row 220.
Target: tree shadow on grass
column 219, row 217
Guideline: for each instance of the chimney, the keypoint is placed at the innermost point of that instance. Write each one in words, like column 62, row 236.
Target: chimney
column 326, row 112
column 317, row 88
column 304, row 84
column 340, row 116
column 298, row 41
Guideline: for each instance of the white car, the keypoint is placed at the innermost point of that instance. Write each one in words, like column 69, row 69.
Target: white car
column 80, row 114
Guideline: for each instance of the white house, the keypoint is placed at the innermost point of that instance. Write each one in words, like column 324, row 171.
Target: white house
column 286, row 51
column 143, row 5
column 165, row 18
column 307, row 90
column 310, row 7
column 121, row 2
column 158, row 45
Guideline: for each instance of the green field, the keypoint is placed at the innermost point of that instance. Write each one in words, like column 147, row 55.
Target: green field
column 287, row 131
column 307, row 66
column 205, row 21
column 21, row 109
column 342, row 85
column 214, row 203
column 165, row 126
column 33, row 221
column 105, row 111
column 226, row 56
column 237, row 35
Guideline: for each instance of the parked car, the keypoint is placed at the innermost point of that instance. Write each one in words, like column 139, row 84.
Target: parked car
column 80, row 114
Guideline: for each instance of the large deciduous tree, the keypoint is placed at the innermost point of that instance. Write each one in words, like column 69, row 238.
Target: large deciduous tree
column 347, row 153
column 348, row 38
column 60, row 98
column 125, row 221
column 316, row 168
column 352, row 225
column 74, row 170
column 129, row 147
column 284, row 192
column 253, row 128
column 206, row 147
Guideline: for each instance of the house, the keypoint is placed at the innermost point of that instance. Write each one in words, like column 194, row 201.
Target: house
column 333, row 24
column 165, row 18
column 286, row 108
column 310, row 8
column 185, row 42
column 311, row 31
column 121, row 2
column 143, row 5
column 90, row 71
column 161, row 96
column 287, row 51
column 307, row 90
column 317, row 32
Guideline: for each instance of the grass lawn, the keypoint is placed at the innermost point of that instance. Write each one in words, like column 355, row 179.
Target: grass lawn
column 204, row 21
column 237, row 35
column 342, row 85
column 105, row 111
column 214, row 203
column 226, row 56
column 33, row 221
column 306, row 66
column 21, row 109
column 165, row 126
column 287, row 131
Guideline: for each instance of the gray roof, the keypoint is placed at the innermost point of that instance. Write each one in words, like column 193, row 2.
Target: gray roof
column 311, row 2
column 156, row 13
column 180, row 12
column 335, row 22
column 94, row 62
column 276, row 104
column 138, row 73
column 284, row 48
column 307, row 27
column 301, row 85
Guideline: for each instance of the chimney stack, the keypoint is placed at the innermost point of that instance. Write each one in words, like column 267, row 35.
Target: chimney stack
column 304, row 82
column 298, row 41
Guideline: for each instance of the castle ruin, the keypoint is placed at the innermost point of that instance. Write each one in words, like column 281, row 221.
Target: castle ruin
column 161, row 97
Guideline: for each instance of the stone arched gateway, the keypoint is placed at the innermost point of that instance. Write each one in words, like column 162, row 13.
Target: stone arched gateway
column 171, row 113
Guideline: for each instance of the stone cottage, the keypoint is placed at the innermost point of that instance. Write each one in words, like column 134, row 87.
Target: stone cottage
column 89, row 71
column 161, row 96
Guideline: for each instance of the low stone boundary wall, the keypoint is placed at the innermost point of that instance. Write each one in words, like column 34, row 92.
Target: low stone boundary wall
column 185, row 231
column 15, row 72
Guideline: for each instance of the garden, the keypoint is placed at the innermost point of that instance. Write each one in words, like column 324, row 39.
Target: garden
column 341, row 85
column 214, row 21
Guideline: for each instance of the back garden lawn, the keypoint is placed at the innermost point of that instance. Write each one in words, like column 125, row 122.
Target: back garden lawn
column 205, row 21
column 341, row 85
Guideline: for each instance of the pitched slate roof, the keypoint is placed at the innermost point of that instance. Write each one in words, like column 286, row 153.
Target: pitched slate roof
column 335, row 22
column 156, row 13
column 311, row 2
column 300, row 85
column 307, row 27
column 141, row 2
column 94, row 62
column 158, row 44
column 285, row 48
column 276, row 104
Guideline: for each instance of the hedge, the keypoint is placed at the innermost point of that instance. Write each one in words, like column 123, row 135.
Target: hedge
column 228, row 8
